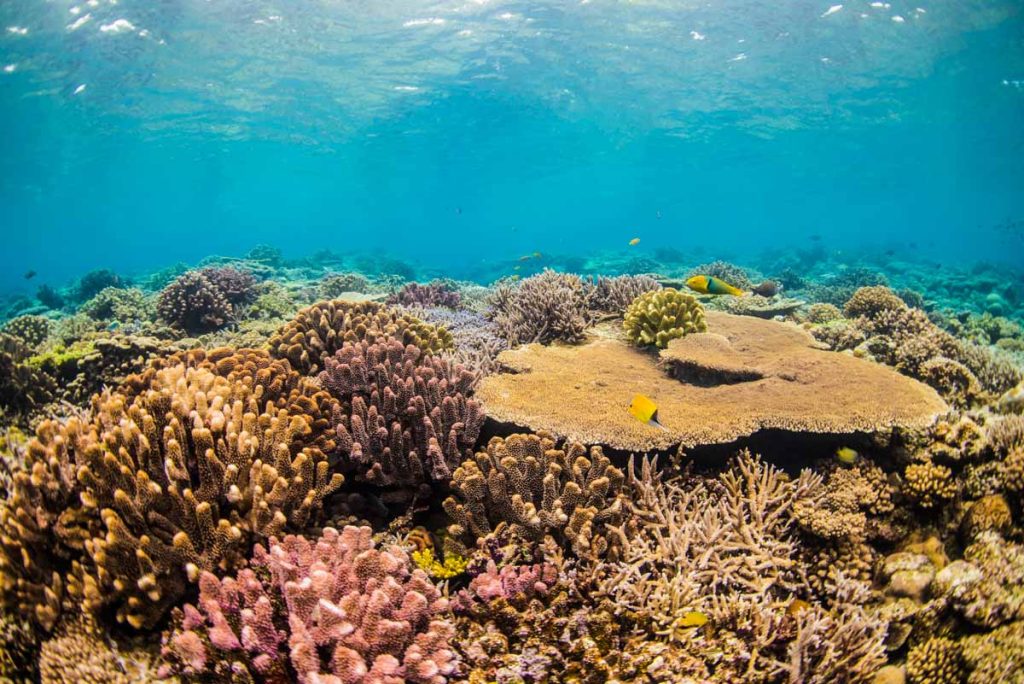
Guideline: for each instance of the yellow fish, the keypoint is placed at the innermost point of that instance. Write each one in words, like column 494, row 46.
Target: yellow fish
column 846, row 455
column 536, row 255
column 711, row 285
column 634, row 242
column 796, row 606
column 645, row 410
column 693, row 618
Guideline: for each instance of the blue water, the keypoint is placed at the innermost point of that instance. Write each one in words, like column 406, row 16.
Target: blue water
column 455, row 133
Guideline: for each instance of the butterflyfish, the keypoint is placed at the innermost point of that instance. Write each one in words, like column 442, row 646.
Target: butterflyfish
column 710, row 285
column 846, row 455
column 645, row 410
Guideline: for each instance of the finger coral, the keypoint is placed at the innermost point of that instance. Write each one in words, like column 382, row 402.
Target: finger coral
column 131, row 506
column 527, row 483
column 320, row 330
column 433, row 294
column 194, row 304
column 407, row 417
column 928, row 484
column 663, row 315
column 543, row 308
column 936, row 661
column 333, row 609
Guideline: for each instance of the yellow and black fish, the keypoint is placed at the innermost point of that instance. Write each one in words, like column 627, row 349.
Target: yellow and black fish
column 645, row 410
column 706, row 284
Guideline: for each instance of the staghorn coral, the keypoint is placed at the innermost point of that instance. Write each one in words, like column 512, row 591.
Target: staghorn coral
column 333, row 609
column 750, row 375
column 476, row 340
column 238, row 286
column 543, row 308
column 131, row 506
column 320, row 330
column 842, row 645
column 928, row 484
column 79, row 651
column 537, row 489
column 614, row 295
column 407, row 417
column 31, row 330
column 987, row 585
column 662, row 315
column 436, row 293
column 193, row 303
column 936, row 661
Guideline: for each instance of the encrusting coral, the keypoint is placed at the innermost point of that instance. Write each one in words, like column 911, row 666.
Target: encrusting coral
column 320, row 330
column 332, row 609
column 524, row 481
column 406, row 416
column 129, row 507
column 662, row 315
column 194, row 304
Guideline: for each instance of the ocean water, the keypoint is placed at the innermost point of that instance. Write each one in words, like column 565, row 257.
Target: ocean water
column 457, row 134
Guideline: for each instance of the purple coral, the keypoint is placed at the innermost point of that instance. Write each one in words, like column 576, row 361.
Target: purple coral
column 435, row 293
column 336, row 610
column 237, row 286
column 406, row 415
column 193, row 303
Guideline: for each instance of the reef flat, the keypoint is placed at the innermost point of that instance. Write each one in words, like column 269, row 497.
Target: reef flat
column 342, row 469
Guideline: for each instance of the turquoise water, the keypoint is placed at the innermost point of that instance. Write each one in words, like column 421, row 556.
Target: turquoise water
column 457, row 134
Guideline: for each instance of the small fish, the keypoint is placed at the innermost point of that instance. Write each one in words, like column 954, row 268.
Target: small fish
column 692, row 618
column 525, row 257
column 516, row 267
column 846, row 455
column 815, row 238
column 634, row 242
column 768, row 288
column 29, row 275
column 537, row 255
column 514, row 277
column 657, row 214
column 458, row 211
column 645, row 410
column 796, row 606
column 114, row 325
column 711, row 285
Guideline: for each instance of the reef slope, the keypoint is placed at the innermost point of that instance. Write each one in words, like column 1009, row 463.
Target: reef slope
column 744, row 375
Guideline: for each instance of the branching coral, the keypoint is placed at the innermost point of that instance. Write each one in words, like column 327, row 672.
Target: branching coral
column 193, row 303
column 823, row 313
column 80, row 652
column 928, row 484
column 537, row 489
column 334, row 609
column 238, row 286
column 31, row 330
column 663, row 315
column 850, row 498
column 320, row 330
column 996, row 656
column 730, row 273
column 614, row 295
column 476, row 340
column 134, row 504
column 936, row 661
column 407, row 417
column 23, row 386
column 434, row 294
column 124, row 305
column 543, row 308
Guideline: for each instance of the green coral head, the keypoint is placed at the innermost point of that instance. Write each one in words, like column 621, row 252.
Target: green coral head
column 662, row 315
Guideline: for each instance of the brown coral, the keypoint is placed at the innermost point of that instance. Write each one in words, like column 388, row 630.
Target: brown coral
column 928, row 484
column 80, row 652
column 749, row 375
column 194, row 304
column 936, row 661
column 528, row 483
column 320, row 330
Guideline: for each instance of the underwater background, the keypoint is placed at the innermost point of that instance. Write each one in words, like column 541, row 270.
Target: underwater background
column 483, row 342
column 456, row 134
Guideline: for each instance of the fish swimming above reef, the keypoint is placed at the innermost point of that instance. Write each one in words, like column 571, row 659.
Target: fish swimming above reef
column 710, row 285
column 29, row 275
column 645, row 410
column 634, row 242
column 768, row 288
column 846, row 455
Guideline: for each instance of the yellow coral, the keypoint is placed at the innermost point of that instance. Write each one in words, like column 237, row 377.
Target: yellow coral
column 936, row 661
column 662, row 315
column 928, row 484
column 452, row 566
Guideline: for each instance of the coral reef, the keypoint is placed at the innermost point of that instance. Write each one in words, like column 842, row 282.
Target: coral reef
column 749, row 375
column 79, row 651
column 119, row 304
column 936, row 661
column 93, row 282
column 986, row 585
column 476, row 343
column 238, row 286
column 334, row 608
column 543, row 308
column 614, row 295
column 407, row 417
column 662, row 315
column 193, row 303
column 928, row 484
column 320, row 330
column 31, row 330
column 723, row 270
column 434, row 294
column 335, row 284
column 525, row 482
column 23, row 386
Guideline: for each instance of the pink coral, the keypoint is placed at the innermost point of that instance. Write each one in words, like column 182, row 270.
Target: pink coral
column 348, row 612
column 510, row 582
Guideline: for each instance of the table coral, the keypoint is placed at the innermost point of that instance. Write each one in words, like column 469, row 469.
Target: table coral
column 406, row 417
column 543, row 308
column 526, row 482
column 320, row 330
column 662, row 315
column 335, row 608
column 582, row 392
column 194, row 304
